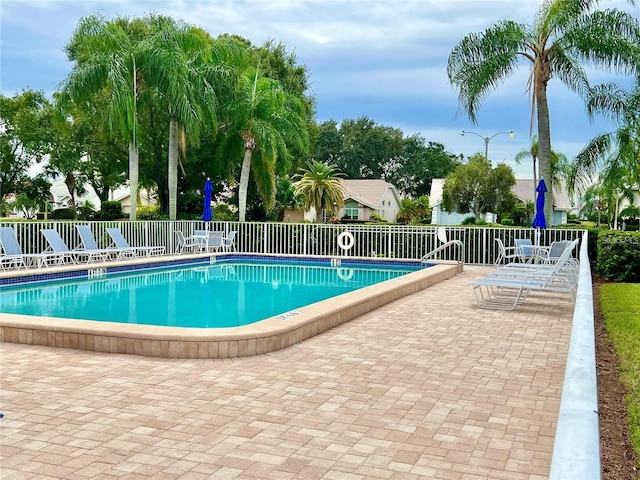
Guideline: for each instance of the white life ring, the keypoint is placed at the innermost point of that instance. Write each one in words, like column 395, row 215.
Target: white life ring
column 345, row 274
column 345, row 240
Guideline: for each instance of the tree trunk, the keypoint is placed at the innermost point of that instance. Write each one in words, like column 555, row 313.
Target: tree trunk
column 172, row 176
column 249, row 146
column 535, row 179
column 544, row 148
column 133, row 180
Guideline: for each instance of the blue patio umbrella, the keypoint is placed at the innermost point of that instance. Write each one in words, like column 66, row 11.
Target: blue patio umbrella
column 208, row 191
column 539, row 220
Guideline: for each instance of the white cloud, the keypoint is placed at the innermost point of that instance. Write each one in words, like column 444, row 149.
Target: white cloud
column 382, row 58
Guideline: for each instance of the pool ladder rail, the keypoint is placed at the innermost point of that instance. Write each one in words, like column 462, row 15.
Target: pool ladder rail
column 452, row 246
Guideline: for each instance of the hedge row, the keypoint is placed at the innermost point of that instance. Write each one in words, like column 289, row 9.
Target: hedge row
column 618, row 256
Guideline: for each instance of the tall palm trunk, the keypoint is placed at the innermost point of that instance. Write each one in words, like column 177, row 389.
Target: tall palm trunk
column 249, row 147
column 544, row 147
column 133, row 179
column 172, row 176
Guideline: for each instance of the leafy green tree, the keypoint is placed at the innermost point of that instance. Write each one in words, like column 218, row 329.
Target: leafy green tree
column 564, row 33
column 26, row 125
column 263, row 118
column 38, row 190
column 320, row 185
column 477, row 187
column 328, row 143
column 287, row 197
column 66, row 158
column 104, row 156
column 368, row 150
column 419, row 164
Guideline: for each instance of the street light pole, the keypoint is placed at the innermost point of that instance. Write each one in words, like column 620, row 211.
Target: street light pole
column 488, row 139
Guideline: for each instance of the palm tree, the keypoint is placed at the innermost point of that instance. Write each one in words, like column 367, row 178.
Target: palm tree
column 321, row 186
column 561, row 36
column 190, row 64
column 619, row 151
column 109, row 59
column 266, row 120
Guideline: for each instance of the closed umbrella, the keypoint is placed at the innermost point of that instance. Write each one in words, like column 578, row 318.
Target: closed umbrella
column 208, row 191
column 539, row 220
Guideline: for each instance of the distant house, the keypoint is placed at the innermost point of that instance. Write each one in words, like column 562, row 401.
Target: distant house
column 361, row 199
column 60, row 197
column 523, row 190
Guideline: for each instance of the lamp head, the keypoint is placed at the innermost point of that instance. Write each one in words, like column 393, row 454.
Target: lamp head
column 512, row 134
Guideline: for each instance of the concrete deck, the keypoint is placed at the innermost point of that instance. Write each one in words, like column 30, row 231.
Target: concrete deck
column 428, row 386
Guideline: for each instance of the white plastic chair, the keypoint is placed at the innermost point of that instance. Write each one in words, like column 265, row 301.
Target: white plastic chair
column 227, row 242
column 190, row 244
column 214, row 242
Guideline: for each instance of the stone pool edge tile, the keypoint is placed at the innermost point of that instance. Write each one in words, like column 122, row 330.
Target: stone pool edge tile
column 262, row 337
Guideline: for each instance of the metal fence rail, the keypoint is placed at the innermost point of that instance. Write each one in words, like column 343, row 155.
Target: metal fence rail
column 386, row 241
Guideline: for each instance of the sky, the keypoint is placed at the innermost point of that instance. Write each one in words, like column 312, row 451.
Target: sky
column 384, row 59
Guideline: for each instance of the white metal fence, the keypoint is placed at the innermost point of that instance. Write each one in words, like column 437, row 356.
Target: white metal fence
column 388, row 241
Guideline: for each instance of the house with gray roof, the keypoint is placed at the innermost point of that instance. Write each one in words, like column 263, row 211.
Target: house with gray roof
column 524, row 190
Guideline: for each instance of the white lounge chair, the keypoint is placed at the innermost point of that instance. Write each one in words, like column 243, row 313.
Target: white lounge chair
column 228, row 241
column 507, row 287
column 57, row 245
column 121, row 242
column 89, row 244
column 13, row 257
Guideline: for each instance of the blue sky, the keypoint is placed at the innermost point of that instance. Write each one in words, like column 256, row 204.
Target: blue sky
column 385, row 59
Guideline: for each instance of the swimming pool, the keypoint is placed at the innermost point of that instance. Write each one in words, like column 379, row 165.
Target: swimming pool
column 259, row 337
column 223, row 294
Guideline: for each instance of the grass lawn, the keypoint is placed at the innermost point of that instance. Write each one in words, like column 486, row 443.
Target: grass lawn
column 621, row 310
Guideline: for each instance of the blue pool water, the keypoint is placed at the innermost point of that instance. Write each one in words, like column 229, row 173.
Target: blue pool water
column 205, row 296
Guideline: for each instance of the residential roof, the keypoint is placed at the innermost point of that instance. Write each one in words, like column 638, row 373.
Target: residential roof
column 524, row 190
column 367, row 192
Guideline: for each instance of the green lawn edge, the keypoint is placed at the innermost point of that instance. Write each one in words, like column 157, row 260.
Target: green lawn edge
column 620, row 304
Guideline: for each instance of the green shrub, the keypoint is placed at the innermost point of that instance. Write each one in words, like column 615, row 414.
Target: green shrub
column 619, row 256
column 469, row 221
column 223, row 213
column 62, row 214
column 148, row 212
column 507, row 222
column 110, row 211
column 376, row 217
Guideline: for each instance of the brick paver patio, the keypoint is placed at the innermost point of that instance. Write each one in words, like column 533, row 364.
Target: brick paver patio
column 426, row 387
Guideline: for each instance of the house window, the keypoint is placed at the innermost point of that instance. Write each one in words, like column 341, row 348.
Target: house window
column 351, row 210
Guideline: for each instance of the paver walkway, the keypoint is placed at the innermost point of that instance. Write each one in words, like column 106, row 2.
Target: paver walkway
column 426, row 387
